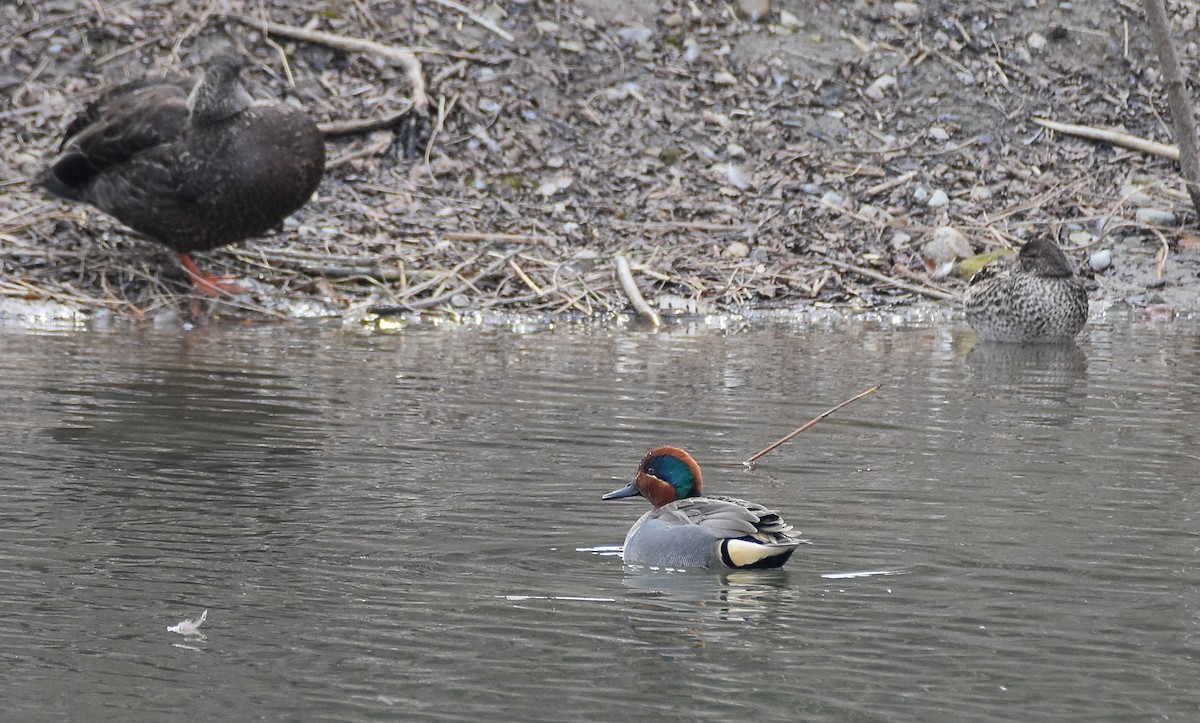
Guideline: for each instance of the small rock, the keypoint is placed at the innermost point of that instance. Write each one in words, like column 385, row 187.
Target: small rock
column 813, row 188
column 939, row 134
column 551, row 186
column 1134, row 195
column 494, row 13
column 736, row 250
column 869, row 212
column 725, row 78
column 1100, row 260
column 789, row 20
column 1080, row 238
column 1036, row 41
column 623, row 91
column 754, row 10
column 833, row 199
column 546, row 27
column 876, row 90
column 938, row 199
column 981, row 193
column 736, row 177
column 673, row 20
column 906, row 9
column 900, row 240
column 920, row 195
column 945, row 245
column 1155, row 217
column 636, row 35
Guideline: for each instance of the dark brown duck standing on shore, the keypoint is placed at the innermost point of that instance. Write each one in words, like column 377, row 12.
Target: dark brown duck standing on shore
column 193, row 165
column 1035, row 299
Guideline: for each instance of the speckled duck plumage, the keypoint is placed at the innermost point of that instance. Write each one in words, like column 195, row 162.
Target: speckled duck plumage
column 193, row 165
column 1036, row 298
column 687, row 529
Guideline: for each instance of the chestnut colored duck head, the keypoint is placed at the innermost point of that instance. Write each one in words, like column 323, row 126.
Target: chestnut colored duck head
column 665, row 475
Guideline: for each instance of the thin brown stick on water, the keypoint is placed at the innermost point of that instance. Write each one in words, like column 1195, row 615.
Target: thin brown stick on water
column 809, row 424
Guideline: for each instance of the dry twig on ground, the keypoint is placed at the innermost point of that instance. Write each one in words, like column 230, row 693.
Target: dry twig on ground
column 403, row 56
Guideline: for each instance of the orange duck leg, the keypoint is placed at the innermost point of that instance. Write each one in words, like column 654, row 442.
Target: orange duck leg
column 208, row 284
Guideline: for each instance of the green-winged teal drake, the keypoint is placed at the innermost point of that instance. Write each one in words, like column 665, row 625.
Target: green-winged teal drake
column 1035, row 298
column 192, row 164
column 687, row 529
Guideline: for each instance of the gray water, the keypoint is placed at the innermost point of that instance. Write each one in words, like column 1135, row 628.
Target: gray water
column 407, row 525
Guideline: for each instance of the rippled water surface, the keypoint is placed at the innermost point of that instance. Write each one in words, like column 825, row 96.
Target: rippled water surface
column 406, row 525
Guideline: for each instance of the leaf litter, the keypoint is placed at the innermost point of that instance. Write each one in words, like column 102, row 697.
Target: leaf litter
column 739, row 156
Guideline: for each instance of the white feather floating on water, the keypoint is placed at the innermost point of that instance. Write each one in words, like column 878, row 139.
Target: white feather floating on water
column 189, row 627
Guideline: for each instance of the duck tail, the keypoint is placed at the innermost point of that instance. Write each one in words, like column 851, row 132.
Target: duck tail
column 67, row 176
column 748, row 554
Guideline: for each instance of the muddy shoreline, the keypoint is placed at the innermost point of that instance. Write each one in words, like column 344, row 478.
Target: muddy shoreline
column 802, row 160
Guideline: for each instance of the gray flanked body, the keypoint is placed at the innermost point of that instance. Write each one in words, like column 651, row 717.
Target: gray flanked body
column 689, row 530
column 1035, row 299
column 691, row 533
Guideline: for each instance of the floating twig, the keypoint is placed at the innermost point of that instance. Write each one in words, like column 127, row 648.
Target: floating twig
column 1116, row 138
column 631, row 290
column 809, row 424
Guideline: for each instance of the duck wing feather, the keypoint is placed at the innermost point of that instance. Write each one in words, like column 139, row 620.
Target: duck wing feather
column 128, row 121
column 726, row 516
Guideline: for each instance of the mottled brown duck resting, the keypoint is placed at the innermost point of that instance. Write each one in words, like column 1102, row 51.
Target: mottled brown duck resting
column 1035, row 299
column 192, row 164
